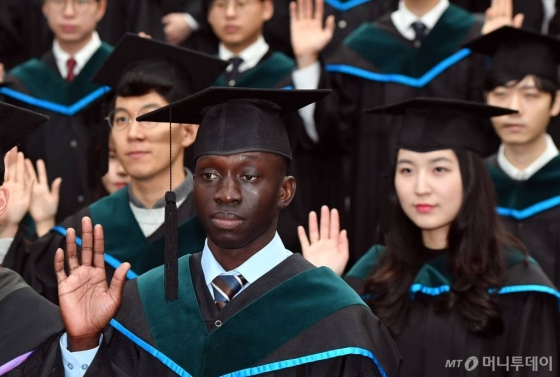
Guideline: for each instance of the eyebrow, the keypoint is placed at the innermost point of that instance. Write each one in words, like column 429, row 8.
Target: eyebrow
column 142, row 108
column 438, row 159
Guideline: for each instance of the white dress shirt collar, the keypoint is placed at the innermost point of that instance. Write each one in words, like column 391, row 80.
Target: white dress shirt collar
column 251, row 56
column 81, row 57
column 522, row 175
column 402, row 18
column 254, row 268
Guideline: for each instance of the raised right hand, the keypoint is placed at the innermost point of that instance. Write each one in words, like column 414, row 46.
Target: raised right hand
column 327, row 245
column 87, row 304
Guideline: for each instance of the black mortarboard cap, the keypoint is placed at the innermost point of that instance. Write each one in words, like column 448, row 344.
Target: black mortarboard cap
column 236, row 120
column 16, row 124
column 520, row 52
column 432, row 124
column 190, row 71
column 232, row 120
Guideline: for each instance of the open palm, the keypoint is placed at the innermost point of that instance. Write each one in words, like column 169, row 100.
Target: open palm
column 87, row 303
column 309, row 37
column 19, row 185
column 500, row 14
column 326, row 246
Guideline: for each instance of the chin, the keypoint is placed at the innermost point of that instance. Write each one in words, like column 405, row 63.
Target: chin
column 429, row 224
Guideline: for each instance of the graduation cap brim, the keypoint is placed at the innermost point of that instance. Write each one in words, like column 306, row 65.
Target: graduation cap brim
column 202, row 69
column 490, row 43
column 16, row 124
column 479, row 110
column 189, row 110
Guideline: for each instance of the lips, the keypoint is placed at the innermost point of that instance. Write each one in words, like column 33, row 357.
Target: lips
column 136, row 154
column 424, row 208
column 230, row 29
column 68, row 28
column 120, row 185
column 226, row 220
column 514, row 127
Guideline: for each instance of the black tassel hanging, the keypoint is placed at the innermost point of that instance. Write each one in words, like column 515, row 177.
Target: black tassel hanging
column 171, row 248
column 171, row 252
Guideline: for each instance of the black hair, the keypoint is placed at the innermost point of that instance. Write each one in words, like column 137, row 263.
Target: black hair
column 495, row 79
column 477, row 244
column 140, row 82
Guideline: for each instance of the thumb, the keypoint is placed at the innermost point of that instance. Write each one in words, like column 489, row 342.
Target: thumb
column 55, row 187
column 518, row 20
column 330, row 25
column 118, row 281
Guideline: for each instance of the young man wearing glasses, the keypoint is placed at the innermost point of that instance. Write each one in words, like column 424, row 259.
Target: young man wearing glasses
column 58, row 84
column 133, row 216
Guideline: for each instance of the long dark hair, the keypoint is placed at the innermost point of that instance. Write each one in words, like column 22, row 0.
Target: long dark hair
column 477, row 243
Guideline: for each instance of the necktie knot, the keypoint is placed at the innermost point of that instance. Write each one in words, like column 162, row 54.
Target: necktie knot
column 419, row 31
column 71, row 64
column 233, row 74
column 225, row 287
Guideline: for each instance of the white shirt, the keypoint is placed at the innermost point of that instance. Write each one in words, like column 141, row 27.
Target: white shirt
column 77, row 363
column 306, row 78
column 402, row 18
column 253, row 269
column 81, row 57
column 522, row 175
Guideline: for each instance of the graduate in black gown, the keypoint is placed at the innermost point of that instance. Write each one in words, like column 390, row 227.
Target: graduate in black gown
column 27, row 320
column 526, row 170
column 414, row 51
column 231, row 308
column 59, row 85
column 450, row 283
column 253, row 64
column 146, row 75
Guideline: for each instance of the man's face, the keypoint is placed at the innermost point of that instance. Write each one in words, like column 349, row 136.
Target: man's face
column 73, row 20
column 143, row 148
column 239, row 22
column 238, row 197
column 535, row 110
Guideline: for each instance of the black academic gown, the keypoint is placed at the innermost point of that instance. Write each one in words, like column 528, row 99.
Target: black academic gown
column 124, row 242
column 428, row 341
column 531, row 211
column 335, row 334
column 28, row 322
column 73, row 143
column 316, row 167
column 377, row 66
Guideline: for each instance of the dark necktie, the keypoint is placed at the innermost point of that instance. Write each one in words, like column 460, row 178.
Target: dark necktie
column 231, row 76
column 71, row 64
column 225, row 287
column 419, row 31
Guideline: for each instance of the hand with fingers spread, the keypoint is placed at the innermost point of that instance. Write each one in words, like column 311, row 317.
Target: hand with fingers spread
column 500, row 14
column 327, row 245
column 20, row 188
column 87, row 304
column 309, row 36
column 44, row 200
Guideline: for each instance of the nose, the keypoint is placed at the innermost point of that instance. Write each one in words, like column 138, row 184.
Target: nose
column 228, row 191
column 230, row 9
column 69, row 9
column 515, row 102
column 421, row 185
column 134, row 131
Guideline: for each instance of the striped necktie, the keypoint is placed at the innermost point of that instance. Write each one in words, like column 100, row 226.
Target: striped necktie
column 225, row 287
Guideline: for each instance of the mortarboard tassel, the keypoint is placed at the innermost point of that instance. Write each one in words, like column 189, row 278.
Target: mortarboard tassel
column 171, row 252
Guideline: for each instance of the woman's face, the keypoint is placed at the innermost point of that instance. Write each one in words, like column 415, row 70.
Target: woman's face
column 116, row 177
column 429, row 187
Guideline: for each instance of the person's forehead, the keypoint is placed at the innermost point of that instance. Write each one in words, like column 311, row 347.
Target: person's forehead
column 238, row 158
column 149, row 100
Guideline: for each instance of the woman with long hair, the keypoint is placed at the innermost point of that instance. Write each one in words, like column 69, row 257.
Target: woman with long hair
column 458, row 293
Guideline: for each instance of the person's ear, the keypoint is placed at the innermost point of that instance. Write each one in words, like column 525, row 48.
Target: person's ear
column 101, row 10
column 268, row 10
column 555, row 108
column 287, row 192
column 4, row 199
column 189, row 134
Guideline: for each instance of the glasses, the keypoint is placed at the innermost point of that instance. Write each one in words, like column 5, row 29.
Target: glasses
column 121, row 119
column 238, row 5
column 80, row 6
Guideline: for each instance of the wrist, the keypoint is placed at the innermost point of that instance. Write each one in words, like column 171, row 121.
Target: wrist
column 304, row 61
column 82, row 344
